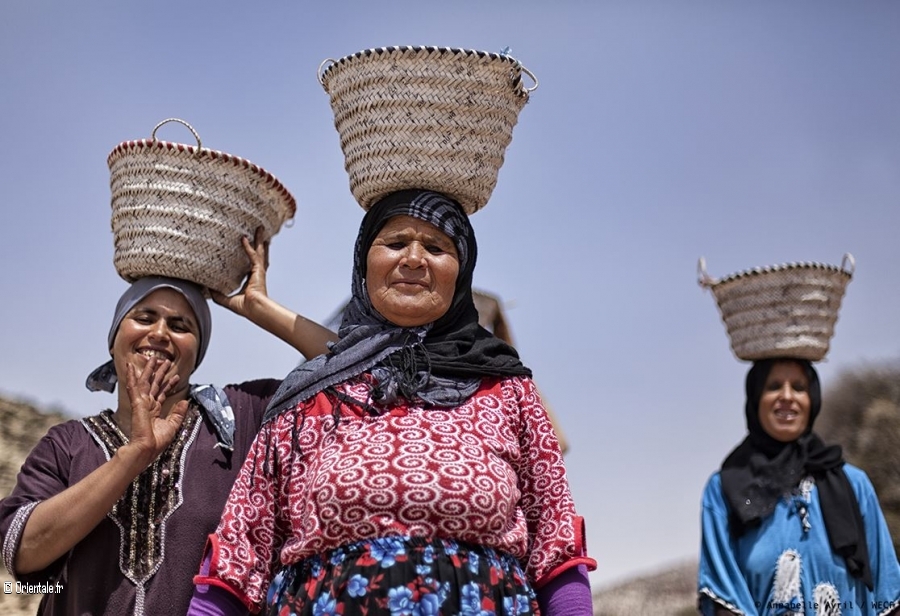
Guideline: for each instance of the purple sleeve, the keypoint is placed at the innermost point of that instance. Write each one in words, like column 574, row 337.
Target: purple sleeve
column 215, row 601
column 568, row 594
column 209, row 600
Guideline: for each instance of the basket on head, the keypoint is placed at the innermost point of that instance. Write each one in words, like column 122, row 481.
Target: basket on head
column 425, row 117
column 781, row 311
column 180, row 210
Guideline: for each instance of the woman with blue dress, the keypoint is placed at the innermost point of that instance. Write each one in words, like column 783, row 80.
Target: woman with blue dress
column 788, row 527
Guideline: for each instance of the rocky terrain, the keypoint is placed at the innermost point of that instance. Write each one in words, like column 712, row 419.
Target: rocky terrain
column 670, row 592
column 861, row 411
column 21, row 426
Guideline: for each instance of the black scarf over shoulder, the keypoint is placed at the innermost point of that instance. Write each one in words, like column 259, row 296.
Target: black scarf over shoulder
column 761, row 470
column 440, row 364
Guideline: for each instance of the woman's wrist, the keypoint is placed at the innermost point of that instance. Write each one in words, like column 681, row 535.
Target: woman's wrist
column 259, row 308
column 133, row 458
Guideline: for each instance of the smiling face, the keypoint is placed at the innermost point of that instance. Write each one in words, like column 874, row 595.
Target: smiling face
column 784, row 406
column 411, row 272
column 164, row 326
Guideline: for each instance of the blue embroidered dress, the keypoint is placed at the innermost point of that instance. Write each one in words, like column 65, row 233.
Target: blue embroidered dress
column 786, row 565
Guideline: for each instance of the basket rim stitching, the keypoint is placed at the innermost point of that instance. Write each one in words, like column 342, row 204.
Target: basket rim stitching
column 406, row 49
column 782, row 267
column 127, row 147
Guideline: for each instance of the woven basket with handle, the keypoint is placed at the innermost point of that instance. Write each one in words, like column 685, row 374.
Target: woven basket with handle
column 434, row 118
column 781, row 311
column 180, row 210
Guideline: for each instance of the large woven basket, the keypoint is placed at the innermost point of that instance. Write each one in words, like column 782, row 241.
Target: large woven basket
column 425, row 117
column 180, row 210
column 781, row 311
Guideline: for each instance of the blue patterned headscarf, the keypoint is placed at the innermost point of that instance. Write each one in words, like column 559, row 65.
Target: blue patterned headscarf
column 440, row 363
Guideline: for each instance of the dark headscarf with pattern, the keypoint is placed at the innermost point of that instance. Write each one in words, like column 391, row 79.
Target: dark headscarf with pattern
column 761, row 470
column 440, row 364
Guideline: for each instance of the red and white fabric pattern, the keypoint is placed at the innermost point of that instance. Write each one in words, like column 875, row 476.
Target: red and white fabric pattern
column 488, row 472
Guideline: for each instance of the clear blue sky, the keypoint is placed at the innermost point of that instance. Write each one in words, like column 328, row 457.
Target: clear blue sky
column 748, row 132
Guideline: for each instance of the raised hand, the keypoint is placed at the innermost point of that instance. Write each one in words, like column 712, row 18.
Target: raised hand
column 253, row 293
column 151, row 430
column 253, row 303
column 57, row 524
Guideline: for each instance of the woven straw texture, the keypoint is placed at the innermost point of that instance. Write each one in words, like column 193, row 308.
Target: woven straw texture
column 781, row 311
column 180, row 211
column 425, row 117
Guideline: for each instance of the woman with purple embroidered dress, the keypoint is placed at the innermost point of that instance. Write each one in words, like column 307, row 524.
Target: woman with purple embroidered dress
column 113, row 509
column 413, row 470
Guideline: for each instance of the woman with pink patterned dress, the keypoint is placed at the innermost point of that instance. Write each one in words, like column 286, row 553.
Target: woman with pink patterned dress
column 411, row 470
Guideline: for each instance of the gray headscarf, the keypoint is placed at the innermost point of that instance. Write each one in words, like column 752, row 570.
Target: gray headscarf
column 104, row 378
column 212, row 399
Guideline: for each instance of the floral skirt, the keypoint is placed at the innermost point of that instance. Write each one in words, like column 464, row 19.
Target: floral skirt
column 402, row 576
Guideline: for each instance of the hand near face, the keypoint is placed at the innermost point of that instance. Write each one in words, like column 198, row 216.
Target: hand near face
column 254, row 291
column 147, row 388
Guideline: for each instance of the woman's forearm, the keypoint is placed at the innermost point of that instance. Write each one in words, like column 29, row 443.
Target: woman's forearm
column 253, row 302
column 305, row 335
column 569, row 594
column 57, row 524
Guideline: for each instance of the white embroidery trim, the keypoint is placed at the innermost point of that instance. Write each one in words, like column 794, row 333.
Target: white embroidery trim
column 806, row 487
column 139, row 584
column 787, row 577
column 97, row 439
column 892, row 606
column 181, row 475
column 712, row 596
column 14, row 534
column 827, row 600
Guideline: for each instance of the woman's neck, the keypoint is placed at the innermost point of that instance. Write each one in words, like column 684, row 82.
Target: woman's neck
column 122, row 414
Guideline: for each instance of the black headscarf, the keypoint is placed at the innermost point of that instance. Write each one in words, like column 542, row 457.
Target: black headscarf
column 441, row 363
column 761, row 470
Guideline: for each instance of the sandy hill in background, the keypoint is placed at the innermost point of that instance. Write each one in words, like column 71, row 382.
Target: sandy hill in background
column 669, row 592
column 21, row 427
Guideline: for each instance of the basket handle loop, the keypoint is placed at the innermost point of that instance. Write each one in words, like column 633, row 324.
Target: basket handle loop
column 190, row 128
column 532, row 77
column 848, row 259
column 703, row 279
column 326, row 64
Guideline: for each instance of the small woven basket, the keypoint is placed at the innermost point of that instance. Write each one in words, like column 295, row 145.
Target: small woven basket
column 425, row 117
column 180, row 210
column 781, row 311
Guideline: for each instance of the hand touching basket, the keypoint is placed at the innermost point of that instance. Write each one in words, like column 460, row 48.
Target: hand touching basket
column 180, row 210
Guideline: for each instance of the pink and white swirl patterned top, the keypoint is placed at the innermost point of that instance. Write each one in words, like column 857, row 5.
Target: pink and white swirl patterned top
column 489, row 472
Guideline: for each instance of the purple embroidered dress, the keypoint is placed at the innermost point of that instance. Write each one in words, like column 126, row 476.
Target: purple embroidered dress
column 141, row 558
